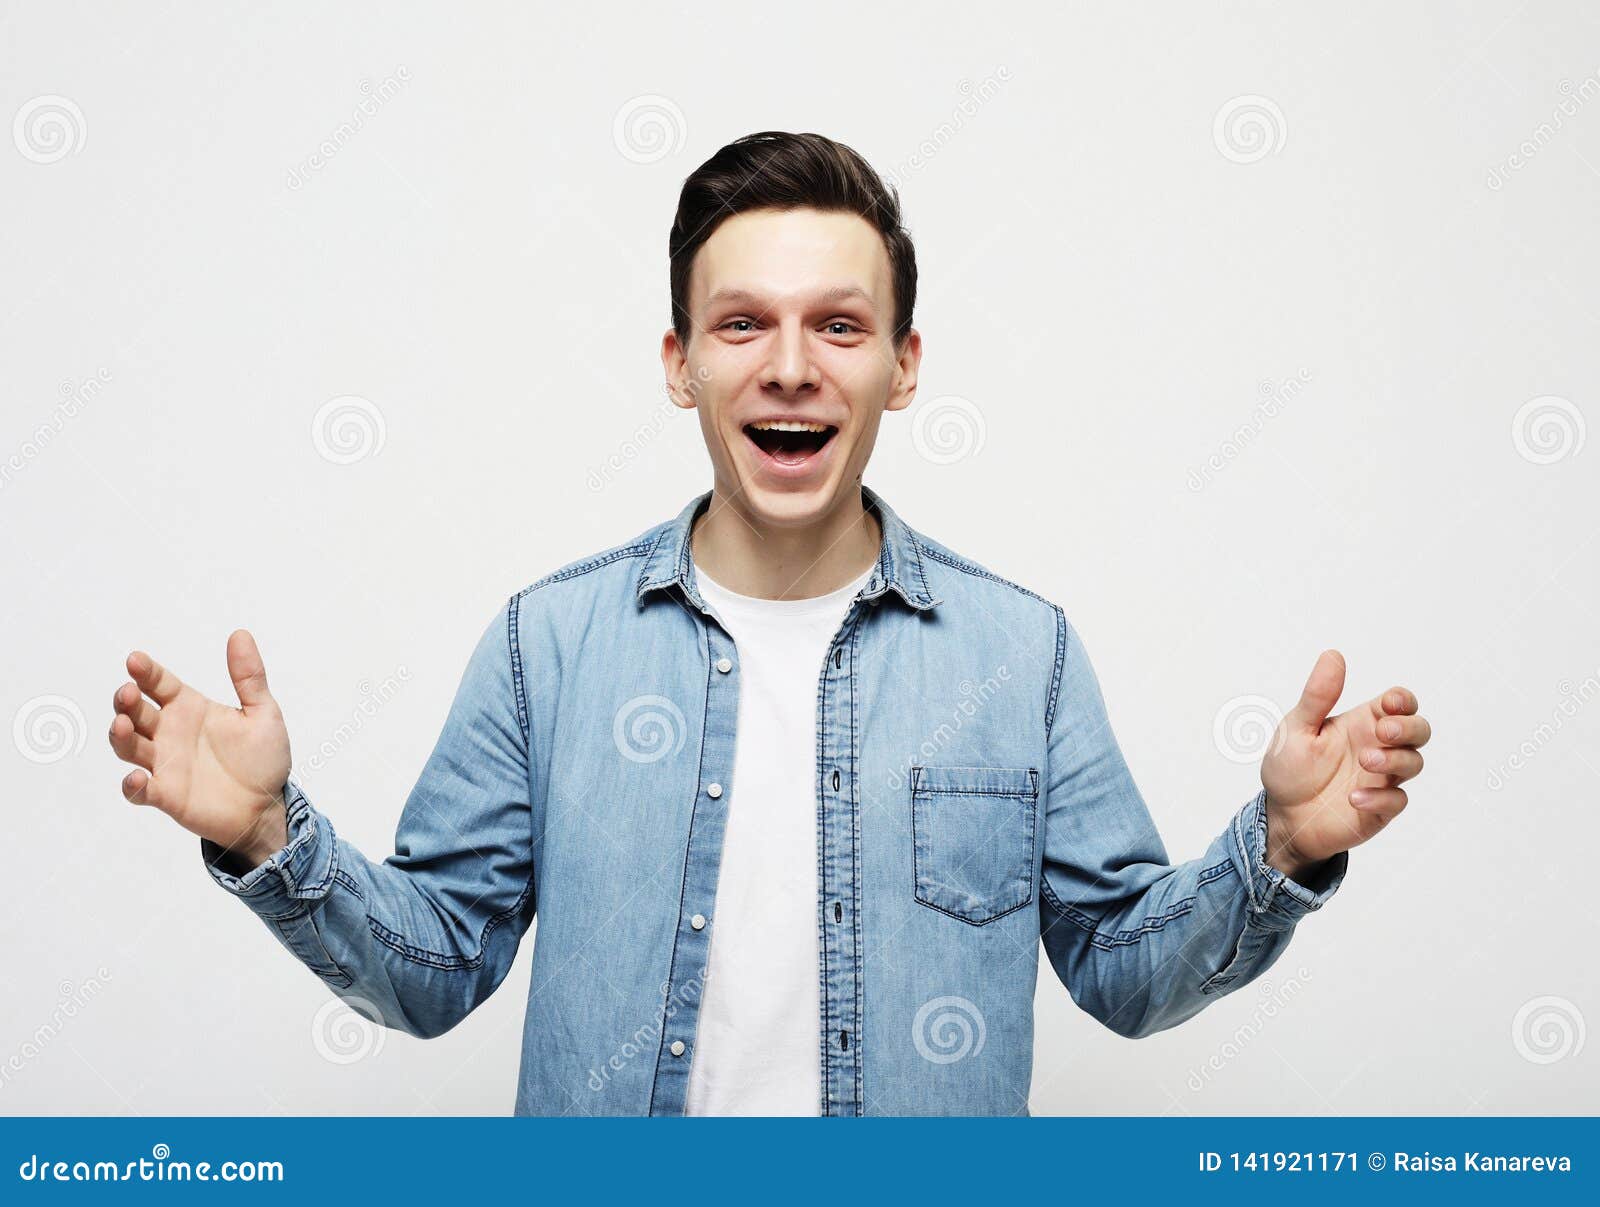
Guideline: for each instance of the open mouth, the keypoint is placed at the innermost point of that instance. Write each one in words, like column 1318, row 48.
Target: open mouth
column 790, row 442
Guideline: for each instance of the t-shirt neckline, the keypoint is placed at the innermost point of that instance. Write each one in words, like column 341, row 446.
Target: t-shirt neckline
column 754, row 605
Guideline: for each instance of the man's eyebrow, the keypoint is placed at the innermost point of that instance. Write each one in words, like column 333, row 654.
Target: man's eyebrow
column 838, row 293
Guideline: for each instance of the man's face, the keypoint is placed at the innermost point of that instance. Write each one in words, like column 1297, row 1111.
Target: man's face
column 791, row 362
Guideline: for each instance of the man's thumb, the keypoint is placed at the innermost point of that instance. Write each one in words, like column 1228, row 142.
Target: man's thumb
column 247, row 671
column 1322, row 691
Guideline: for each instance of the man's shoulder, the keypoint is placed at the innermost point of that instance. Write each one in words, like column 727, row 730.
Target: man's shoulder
column 995, row 607
column 616, row 567
column 951, row 574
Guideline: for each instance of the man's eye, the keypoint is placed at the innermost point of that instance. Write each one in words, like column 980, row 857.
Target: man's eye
column 848, row 327
column 746, row 322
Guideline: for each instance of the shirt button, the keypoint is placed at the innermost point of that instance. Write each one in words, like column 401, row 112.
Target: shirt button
column 713, row 790
column 724, row 665
column 698, row 921
column 677, row 1047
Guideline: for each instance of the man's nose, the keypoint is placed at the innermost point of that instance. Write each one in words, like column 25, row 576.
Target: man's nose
column 791, row 366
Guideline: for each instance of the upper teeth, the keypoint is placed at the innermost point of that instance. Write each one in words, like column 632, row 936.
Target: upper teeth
column 787, row 425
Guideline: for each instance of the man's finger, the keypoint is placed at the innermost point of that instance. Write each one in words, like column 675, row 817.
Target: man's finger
column 1404, row 731
column 131, row 747
column 1321, row 692
column 140, row 789
column 248, row 672
column 1383, row 803
column 1400, row 762
column 130, row 702
column 1397, row 700
column 154, row 680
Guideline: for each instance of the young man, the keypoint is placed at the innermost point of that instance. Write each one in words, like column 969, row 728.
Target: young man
column 702, row 758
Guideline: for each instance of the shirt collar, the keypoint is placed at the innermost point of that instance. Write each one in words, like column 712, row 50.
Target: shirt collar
column 899, row 567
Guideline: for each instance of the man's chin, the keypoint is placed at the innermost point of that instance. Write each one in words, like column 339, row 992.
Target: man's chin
column 795, row 507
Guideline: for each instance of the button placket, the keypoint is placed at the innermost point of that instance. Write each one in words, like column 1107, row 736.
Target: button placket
column 841, row 979
column 705, row 829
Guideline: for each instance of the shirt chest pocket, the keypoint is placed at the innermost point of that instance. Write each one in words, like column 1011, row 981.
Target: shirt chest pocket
column 973, row 839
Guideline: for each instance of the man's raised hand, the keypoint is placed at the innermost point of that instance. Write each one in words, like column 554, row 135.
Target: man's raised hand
column 1334, row 782
column 218, row 771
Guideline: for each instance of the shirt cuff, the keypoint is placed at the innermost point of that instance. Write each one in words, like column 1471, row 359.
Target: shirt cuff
column 1275, row 900
column 295, row 875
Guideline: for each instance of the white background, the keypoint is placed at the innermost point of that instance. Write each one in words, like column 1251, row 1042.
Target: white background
column 1111, row 286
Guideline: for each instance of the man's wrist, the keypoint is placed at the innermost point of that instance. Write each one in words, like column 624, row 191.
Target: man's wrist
column 267, row 836
column 1301, row 871
column 1282, row 855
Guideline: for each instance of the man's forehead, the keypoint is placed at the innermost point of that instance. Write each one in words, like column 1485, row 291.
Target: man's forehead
column 765, row 255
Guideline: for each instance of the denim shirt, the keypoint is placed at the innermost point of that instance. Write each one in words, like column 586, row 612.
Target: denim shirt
column 972, row 806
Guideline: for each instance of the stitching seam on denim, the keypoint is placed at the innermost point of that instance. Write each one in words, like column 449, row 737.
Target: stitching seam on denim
column 1017, row 794
column 1055, row 675
column 975, row 570
column 858, row 627
column 449, row 963
column 513, row 608
column 596, row 562
column 1108, row 940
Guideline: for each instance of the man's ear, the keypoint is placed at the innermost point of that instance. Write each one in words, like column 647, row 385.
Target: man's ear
column 675, row 363
column 909, row 361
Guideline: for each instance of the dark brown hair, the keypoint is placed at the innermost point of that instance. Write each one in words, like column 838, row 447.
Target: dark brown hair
column 778, row 170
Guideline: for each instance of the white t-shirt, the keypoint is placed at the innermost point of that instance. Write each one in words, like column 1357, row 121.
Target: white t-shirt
column 757, row 1049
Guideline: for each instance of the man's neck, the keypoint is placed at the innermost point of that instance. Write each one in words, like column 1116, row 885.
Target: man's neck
column 777, row 562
